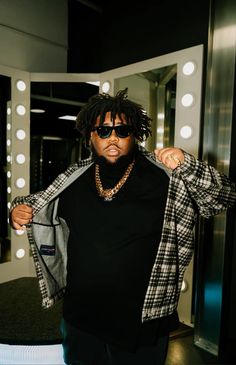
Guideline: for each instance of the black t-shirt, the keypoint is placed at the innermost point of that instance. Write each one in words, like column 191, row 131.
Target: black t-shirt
column 111, row 250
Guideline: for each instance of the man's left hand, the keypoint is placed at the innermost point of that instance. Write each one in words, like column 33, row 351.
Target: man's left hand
column 171, row 157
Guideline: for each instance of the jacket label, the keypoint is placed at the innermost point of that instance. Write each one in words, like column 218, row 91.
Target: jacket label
column 48, row 250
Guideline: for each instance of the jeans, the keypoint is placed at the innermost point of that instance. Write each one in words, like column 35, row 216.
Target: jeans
column 82, row 348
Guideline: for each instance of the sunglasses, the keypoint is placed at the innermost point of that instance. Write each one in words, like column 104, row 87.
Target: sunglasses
column 122, row 131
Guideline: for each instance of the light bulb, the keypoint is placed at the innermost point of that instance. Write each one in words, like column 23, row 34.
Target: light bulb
column 20, row 253
column 21, row 85
column 186, row 132
column 20, row 158
column 20, row 182
column 20, row 134
column 189, row 68
column 20, row 109
column 106, row 86
column 187, row 100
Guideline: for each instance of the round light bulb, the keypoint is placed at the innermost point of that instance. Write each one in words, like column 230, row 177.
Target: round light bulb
column 8, row 174
column 20, row 253
column 20, row 109
column 8, row 142
column 20, row 158
column 106, row 86
column 19, row 232
column 20, row 182
column 20, row 134
column 8, row 126
column 9, row 158
column 189, row 68
column 9, row 190
column 186, row 132
column 21, row 85
column 9, row 110
column 187, row 100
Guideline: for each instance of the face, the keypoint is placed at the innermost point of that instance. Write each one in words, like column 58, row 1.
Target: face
column 113, row 147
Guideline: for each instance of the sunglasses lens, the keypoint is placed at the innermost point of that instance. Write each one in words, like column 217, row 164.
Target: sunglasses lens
column 103, row 131
column 123, row 131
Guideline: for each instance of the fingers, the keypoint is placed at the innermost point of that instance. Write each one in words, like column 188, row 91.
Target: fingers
column 171, row 157
column 21, row 215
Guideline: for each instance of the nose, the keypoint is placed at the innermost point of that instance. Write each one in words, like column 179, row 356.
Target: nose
column 113, row 135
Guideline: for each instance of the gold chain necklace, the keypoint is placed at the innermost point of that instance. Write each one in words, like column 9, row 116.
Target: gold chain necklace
column 108, row 194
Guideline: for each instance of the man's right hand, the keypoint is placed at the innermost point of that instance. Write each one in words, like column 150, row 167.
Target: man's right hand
column 20, row 216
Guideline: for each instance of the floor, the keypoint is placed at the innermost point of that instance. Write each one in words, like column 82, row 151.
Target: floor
column 182, row 351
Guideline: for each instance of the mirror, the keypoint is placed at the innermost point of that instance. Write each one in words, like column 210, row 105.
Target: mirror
column 169, row 88
column 155, row 90
column 54, row 141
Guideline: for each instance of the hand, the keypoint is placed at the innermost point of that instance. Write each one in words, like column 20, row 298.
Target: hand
column 171, row 157
column 21, row 215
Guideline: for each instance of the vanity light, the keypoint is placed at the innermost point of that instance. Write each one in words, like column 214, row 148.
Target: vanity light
column 19, row 232
column 20, row 134
column 106, row 86
column 9, row 158
column 160, row 130
column 8, row 205
column 186, row 132
column 8, row 126
column 8, row 111
column 21, row 85
column 187, row 100
column 20, row 158
column 20, row 109
column 189, row 68
column 20, row 182
column 8, row 142
column 20, row 253
column 8, row 174
column 161, row 116
column 9, row 190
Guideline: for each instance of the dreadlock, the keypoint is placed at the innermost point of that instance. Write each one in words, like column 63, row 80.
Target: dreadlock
column 100, row 104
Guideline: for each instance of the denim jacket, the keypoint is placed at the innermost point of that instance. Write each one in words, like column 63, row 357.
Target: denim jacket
column 194, row 188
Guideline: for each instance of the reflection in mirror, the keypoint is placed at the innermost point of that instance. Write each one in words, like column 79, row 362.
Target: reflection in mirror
column 5, row 96
column 155, row 90
column 55, row 143
column 160, row 84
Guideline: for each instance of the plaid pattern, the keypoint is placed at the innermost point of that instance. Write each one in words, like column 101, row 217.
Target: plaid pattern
column 194, row 187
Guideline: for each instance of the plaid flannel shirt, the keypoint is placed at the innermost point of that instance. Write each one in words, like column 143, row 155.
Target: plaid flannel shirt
column 194, row 187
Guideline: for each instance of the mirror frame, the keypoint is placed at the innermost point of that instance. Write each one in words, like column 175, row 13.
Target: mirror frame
column 185, row 84
column 191, row 115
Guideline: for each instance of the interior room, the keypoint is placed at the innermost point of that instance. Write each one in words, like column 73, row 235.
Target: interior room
column 176, row 60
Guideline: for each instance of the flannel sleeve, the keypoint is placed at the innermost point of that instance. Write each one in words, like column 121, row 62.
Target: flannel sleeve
column 211, row 190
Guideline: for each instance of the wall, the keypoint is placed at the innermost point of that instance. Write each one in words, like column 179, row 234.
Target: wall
column 33, row 35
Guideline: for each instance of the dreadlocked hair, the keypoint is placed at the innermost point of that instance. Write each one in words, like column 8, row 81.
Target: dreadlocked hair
column 119, row 105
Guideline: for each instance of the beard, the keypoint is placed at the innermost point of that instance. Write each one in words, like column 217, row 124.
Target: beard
column 121, row 161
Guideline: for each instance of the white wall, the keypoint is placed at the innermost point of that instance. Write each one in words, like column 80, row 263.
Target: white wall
column 33, row 35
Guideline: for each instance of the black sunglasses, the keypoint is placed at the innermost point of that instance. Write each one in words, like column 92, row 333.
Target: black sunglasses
column 122, row 131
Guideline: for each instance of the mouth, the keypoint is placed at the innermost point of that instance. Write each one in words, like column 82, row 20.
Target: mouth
column 112, row 150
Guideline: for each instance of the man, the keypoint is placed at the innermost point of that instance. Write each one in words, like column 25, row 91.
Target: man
column 114, row 235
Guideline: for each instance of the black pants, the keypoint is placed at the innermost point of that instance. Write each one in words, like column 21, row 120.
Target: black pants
column 84, row 349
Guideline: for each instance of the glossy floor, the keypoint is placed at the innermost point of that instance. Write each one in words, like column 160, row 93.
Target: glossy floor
column 182, row 351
